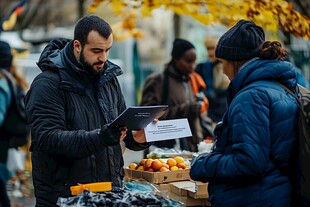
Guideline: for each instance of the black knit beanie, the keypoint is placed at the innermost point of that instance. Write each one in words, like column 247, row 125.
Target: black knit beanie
column 241, row 42
column 5, row 55
column 180, row 46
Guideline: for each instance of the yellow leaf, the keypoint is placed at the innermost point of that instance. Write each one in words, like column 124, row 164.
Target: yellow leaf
column 137, row 33
column 10, row 23
column 92, row 8
column 271, row 14
column 117, row 6
column 146, row 11
column 205, row 19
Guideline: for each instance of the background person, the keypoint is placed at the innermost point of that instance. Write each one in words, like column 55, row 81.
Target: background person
column 6, row 58
column 216, row 81
column 6, row 96
column 173, row 86
column 299, row 76
column 69, row 106
column 252, row 157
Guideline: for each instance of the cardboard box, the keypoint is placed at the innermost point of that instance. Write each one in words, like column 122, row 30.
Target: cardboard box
column 181, row 188
column 188, row 201
column 196, row 193
column 163, row 186
column 190, row 188
column 163, row 189
column 173, row 191
column 158, row 177
column 201, row 190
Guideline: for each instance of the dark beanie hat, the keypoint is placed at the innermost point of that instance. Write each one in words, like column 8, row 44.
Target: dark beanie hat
column 5, row 55
column 241, row 42
column 180, row 46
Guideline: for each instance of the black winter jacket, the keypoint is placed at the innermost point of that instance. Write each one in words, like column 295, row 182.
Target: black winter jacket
column 66, row 109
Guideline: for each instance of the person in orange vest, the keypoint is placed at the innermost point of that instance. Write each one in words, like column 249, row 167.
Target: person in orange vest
column 181, row 88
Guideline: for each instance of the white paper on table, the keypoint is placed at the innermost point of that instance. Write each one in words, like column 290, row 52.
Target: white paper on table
column 167, row 129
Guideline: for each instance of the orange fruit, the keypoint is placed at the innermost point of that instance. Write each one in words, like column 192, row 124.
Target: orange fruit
column 148, row 163
column 132, row 166
column 166, row 165
column 161, row 160
column 171, row 162
column 149, row 169
column 179, row 159
column 164, row 169
column 156, row 165
column 140, row 167
column 142, row 162
column 181, row 165
column 174, row 168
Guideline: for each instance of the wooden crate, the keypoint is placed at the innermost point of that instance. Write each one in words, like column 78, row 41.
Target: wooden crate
column 158, row 177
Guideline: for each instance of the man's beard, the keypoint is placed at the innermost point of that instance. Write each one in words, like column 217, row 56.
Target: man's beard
column 88, row 67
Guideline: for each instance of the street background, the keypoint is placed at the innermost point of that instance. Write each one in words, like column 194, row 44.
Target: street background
column 143, row 41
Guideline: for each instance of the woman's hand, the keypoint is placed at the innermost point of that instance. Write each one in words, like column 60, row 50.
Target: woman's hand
column 139, row 135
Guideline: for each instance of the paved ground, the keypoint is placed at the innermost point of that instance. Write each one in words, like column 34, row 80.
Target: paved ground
column 20, row 190
column 23, row 202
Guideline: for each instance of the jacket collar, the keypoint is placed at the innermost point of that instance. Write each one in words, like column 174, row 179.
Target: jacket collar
column 258, row 70
column 173, row 72
column 58, row 56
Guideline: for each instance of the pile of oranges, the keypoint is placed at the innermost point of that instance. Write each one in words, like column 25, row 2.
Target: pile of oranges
column 159, row 165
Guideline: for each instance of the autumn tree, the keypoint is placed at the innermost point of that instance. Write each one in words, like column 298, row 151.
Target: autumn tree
column 271, row 14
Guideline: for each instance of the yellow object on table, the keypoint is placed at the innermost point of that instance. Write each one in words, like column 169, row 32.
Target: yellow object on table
column 92, row 187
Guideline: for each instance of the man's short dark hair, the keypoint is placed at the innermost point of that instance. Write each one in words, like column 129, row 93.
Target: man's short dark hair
column 88, row 24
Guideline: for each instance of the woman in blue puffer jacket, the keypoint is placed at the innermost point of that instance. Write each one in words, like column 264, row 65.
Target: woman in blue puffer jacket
column 252, row 157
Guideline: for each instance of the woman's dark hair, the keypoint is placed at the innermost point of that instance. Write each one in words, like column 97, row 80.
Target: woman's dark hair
column 269, row 50
column 89, row 23
column 272, row 50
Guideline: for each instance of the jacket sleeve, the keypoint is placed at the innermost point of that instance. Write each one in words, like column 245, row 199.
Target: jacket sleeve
column 133, row 145
column 242, row 152
column 45, row 108
column 152, row 95
column 5, row 97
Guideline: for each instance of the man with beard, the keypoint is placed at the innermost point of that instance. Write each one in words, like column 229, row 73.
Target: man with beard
column 69, row 107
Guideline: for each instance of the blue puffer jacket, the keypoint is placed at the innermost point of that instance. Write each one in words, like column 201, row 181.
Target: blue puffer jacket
column 254, row 142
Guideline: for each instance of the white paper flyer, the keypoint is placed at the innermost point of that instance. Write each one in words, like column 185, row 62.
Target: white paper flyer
column 167, row 129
